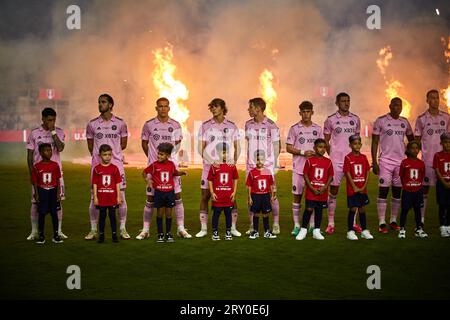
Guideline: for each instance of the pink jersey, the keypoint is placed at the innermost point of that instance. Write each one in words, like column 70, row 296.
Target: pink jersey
column 38, row 136
column 157, row 132
column 107, row 132
column 261, row 136
column 341, row 128
column 430, row 128
column 392, row 134
column 302, row 137
column 214, row 133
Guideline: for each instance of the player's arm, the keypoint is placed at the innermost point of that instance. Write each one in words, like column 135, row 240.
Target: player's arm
column 123, row 142
column 144, row 144
column 94, row 186
column 309, row 185
column 119, row 198
column 90, row 144
column 58, row 143
column 211, row 190
column 352, row 183
column 277, row 150
column 374, row 151
column 177, row 146
column 367, row 180
column 30, row 154
column 178, row 173
column 249, row 195
column 273, row 194
column 237, row 150
column 233, row 195
column 441, row 179
column 327, row 138
column 34, row 183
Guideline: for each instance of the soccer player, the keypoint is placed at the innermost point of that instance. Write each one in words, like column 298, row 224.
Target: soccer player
column 318, row 173
column 441, row 164
column 300, row 143
column 163, row 172
column 260, row 192
column 412, row 173
column 261, row 133
column 47, row 132
column 106, row 181
column 357, row 169
column 111, row 130
column 337, row 128
column 429, row 127
column 212, row 133
column 222, row 181
column 46, row 175
column 157, row 130
column 389, row 132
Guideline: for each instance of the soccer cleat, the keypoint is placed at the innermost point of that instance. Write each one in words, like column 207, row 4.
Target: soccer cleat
column 124, row 234
column 420, row 233
column 91, row 235
column 143, row 235
column 57, row 239
column 169, row 237
column 101, row 238
column 269, row 235
column 382, row 228
column 201, row 234
column 329, row 229
column 114, row 237
column 402, row 234
column 366, row 235
column 41, row 240
column 160, row 237
column 253, row 235
column 317, row 234
column 394, row 226
column 228, row 235
column 235, row 233
column 351, row 235
column 33, row 236
column 357, row 228
column 448, row 230
column 302, row 234
column 249, row 231
column 444, row 232
column 182, row 232
column 215, row 236
column 62, row 235
column 295, row 231
column 276, row 228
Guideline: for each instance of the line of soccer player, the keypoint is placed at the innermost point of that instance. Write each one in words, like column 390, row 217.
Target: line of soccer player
column 315, row 175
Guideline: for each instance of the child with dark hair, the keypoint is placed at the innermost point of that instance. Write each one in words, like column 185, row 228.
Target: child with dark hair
column 441, row 165
column 412, row 173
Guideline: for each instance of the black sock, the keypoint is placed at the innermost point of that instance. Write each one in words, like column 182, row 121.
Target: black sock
column 255, row 222
column 317, row 217
column 168, row 224
column 306, row 216
column 215, row 218
column 403, row 216
column 112, row 220
column 442, row 215
column 159, row 223
column 350, row 219
column 227, row 212
column 362, row 219
column 101, row 221
column 266, row 223
column 418, row 217
column 41, row 224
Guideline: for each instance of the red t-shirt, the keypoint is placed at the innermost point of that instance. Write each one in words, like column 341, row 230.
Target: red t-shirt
column 358, row 166
column 412, row 173
column 46, row 174
column 318, row 170
column 441, row 161
column 222, row 178
column 162, row 175
column 260, row 180
column 106, row 178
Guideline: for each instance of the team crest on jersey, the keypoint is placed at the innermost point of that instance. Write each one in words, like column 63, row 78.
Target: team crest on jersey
column 389, row 132
column 430, row 132
column 338, row 130
column 212, row 138
column 301, row 140
column 414, row 174
column 170, row 129
column 47, row 177
column 98, row 128
column 262, row 184
column 403, row 125
column 263, row 130
column 446, row 167
column 99, row 135
column 106, row 180
column 426, row 179
column 357, row 168
column 442, row 123
column 114, row 127
column 164, row 176
column 156, row 137
column 352, row 122
column 225, row 130
column 294, row 188
column 381, row 180
column 314, row 133
column 318, row 173
column 223, row 178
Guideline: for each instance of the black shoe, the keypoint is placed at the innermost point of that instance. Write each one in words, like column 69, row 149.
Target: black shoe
column 41, row 239
column 114, row 237
column 160, row 237
column 101, row 238
column 169, row 237
column 228, row 235
column 57, row 239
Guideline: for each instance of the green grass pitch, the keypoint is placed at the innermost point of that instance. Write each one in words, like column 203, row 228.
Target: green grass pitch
column 202, row 269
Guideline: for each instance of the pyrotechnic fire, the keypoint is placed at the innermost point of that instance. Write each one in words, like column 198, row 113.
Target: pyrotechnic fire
column 167, row 86
column 446, row 92
column 392, row 85
column 268, row 93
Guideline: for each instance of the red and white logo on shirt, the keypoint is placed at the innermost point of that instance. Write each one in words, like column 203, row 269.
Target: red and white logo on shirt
column 223, row 178
column 414, row 174
column 318, row 173
column 357, row 168
column 262, row 184
column 47, row 177
column 164, row 176
column 106, row 180
column 446, row 167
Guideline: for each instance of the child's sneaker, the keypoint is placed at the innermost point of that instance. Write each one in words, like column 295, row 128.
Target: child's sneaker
column 351, row 235
column 269, row 235
column 57, row 239
column 215, row 236
column 253, row 235
column 160, row 237
column 302, row 234
column 169, row 237
column 444, row 232
column 228, row 235
column 420, row 233
column 366, row 235
column 402, row 234
column 41, row 239
column 101, row 238
column 317, row 234
column 114, row 237
column 234, row 232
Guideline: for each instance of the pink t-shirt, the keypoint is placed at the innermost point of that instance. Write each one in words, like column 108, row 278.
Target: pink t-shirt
column 157, row 132
column 302, row 137
column 38, row 136
column 392, row 134
column 341, row 128
column 107, row 132
column 214, row 133
column 261, row 136
column 430, row 128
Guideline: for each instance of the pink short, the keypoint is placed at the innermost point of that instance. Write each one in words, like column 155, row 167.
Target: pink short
column 204, row 181
column 389, row 175
column 298, row 183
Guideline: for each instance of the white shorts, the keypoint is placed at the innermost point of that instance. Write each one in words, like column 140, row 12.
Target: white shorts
column 204, row 182
column 389, row 175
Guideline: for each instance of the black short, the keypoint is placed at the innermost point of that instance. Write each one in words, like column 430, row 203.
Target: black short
column 442, row 195
column 48, row 200
column 316, row 204
column 164, row 199
column 357, row 200
column 412, row 199
column 261, row 203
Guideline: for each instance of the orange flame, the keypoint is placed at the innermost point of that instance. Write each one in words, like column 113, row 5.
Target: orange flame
column 385, row 55
column 167, row 86
column 268, row 93
column 446, row 49
column 446, row 94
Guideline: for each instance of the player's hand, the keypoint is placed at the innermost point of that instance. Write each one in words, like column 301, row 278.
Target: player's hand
column 214, row 197
column 215, row 164
column 447, row 185
column 51, row 127
column 119, row 200
column 230, row 162
column 375, row 168
column 96, row 201
column 250, row 201
column 233, row 195
column 323, row 189
column 316, row 191
column 357, row 190
column 274, row 197
column 58, row 197
column 183, row 173
column 36, row 197
column 309, row 153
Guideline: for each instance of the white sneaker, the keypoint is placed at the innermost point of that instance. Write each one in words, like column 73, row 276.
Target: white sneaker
column 32, row 236
column 201, row 234
column 317, row 235
column 249, row 231
column 269, row 235
column 402, row 234
column 276, row 228
column 366, row 235
column 235, row 233
column 143, row 235
column 444, row 232
column 302, row 234
column 62, row 235
column 254, row 235
column 124, row 234
column 91, row 235
column 351, row 235
column 448, row 230
column 420, row 233
column 181, row 232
